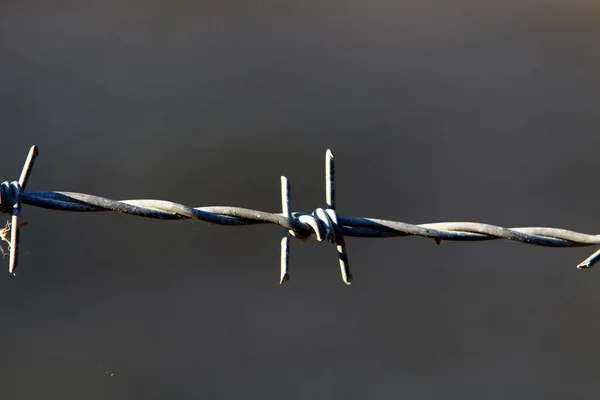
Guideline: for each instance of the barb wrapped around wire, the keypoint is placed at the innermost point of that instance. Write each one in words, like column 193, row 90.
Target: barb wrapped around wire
column 324, row 223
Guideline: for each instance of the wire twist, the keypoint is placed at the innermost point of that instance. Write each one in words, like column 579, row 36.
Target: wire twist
column 324, row 223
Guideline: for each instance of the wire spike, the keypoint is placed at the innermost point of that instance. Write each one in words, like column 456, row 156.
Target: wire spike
column 284, row 275
column 27, row 167
column 339, row 234
column 16, row 190
column 330, row 179
column 590, row 261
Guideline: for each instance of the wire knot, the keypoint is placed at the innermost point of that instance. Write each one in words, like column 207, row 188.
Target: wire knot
column 10, row 197
column 324, row 224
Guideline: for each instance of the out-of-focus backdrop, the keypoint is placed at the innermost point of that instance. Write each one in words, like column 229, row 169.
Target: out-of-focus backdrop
column 435, row 110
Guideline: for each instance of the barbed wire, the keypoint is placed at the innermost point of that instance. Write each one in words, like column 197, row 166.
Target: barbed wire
column 324, row 223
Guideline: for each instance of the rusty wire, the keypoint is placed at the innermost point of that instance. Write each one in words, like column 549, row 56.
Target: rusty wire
column 324, row 223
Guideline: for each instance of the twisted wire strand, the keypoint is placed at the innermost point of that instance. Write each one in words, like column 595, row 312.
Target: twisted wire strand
column 324, row 223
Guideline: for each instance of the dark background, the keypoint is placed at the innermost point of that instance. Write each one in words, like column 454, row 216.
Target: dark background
column 435, row 110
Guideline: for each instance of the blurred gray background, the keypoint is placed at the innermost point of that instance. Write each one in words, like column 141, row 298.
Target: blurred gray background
column 435, row 110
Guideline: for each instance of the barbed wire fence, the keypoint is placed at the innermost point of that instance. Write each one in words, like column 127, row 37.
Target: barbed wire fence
column 324, row 223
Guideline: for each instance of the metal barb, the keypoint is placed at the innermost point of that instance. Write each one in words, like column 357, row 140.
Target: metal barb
column 13, row 195
column 284, row 275
column 323, row 223
column 332, row 218
column 330, row 179
column 590, row 261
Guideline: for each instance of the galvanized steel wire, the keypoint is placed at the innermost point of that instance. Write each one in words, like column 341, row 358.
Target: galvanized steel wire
column 324, row 223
